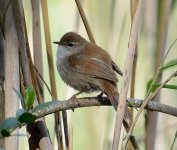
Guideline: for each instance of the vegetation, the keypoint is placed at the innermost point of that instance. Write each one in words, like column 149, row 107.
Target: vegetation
column 35, row 113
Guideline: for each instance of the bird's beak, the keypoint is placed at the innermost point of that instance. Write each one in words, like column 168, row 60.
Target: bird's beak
column 56, row 42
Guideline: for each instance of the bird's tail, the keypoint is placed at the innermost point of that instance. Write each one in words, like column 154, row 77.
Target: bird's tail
column 112, row 93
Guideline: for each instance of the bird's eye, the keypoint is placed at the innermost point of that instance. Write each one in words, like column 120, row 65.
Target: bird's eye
column 70, row 44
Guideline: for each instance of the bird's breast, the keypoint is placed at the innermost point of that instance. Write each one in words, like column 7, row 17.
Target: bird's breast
column 77, row 80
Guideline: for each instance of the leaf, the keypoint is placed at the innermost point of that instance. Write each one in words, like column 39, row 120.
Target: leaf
column 5, row 133
column 29, row 97
column 44, row 105
column 148, row 86
column 20, row 97
column 27, row 118
column 167, row 86
column 8, row 125
column 169, row 64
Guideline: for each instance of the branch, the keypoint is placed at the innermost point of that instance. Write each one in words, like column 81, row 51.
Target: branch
column 56, row 106
column 94, row 101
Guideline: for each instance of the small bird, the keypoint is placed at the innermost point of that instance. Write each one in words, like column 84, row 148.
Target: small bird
column 87, row 67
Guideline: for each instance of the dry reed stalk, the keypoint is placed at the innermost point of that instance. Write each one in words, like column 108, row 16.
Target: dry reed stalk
column 85, row 21
column 11, row 73
column 133, row 7
column 38, row 128
column 162, row 27
column 58, row 127
column 127, row 75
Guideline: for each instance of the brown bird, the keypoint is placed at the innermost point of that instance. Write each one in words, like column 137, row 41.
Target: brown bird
column 87, row 67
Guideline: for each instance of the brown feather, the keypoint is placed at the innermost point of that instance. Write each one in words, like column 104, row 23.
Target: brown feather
column 93, row 62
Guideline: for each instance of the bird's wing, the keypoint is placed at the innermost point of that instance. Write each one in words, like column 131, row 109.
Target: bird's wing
column 116, row 68
column 93, row 63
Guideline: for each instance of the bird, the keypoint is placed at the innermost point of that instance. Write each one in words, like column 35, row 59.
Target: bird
column 86, row 67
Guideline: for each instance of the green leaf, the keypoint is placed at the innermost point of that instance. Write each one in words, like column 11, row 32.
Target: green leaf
column 167, row 86
column 148, row 86
column 5, row 133
column 29, row 97
column 8, row 125
column 44, row 105
column 169, row 64
column 27, row 118
column 20, row 97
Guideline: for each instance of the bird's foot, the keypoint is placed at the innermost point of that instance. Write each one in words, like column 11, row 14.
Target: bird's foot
column 74, row 97
column 100, row 97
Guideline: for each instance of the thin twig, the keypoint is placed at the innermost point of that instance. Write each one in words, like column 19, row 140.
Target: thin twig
column 168, row 52
column 33, row 75
column 43, row 81
column 84, row 19
column 161, row 66
column 147, row 100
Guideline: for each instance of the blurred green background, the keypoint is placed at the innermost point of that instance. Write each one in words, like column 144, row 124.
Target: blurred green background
column 110, row 22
